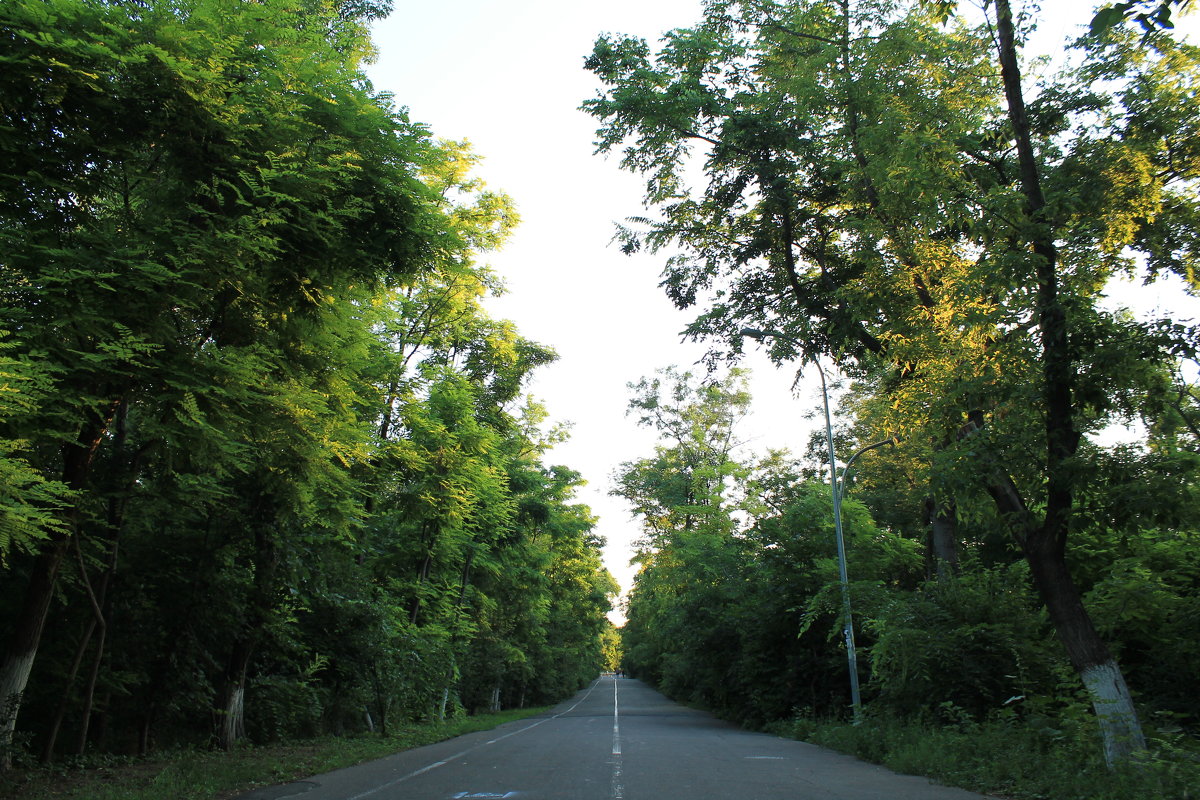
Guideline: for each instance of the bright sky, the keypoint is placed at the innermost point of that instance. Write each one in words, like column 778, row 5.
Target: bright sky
column 509, row 77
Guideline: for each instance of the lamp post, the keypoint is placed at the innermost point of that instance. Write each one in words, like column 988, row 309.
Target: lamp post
column 892, row 440
column 837, row 487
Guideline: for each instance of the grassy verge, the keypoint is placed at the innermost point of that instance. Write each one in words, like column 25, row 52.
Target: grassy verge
column 1011, row 760
column 205, row 775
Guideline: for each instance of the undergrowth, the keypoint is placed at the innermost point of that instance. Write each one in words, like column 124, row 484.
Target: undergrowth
column 205, row 774
column 1025, row 760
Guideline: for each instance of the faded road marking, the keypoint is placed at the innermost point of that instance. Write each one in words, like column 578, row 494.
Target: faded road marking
column 618, row 791
column 457, row 756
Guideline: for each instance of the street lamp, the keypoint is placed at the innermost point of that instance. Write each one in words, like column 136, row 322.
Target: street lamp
column 892, row 440
column 837, row 487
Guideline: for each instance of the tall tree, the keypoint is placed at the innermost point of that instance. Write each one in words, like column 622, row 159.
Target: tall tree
column 879, row 193
column 184, row 178
column 687, row 485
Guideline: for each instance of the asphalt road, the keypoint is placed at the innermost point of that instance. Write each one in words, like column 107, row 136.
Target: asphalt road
column 616, row 740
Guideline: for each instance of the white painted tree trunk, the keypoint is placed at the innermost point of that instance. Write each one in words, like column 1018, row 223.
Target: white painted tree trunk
column 14, row 676
column 233, row 725
column 1114, row 709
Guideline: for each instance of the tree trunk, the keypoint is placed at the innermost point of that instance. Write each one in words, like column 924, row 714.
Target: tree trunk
column 231, row 721
column 80, row 650
column 943, row 538
column 145, row 726
column 89, row 693
column 261, row 603
column 23, row 646
column 1045, row 546
column 31, row 621
column 97, row 598
column 1088, row 653
column 382, row 703
column 125, row 473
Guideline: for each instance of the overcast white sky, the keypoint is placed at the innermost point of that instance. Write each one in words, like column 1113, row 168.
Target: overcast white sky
column 509, row 77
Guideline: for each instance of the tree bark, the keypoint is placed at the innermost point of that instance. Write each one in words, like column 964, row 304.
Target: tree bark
column 23, row 646
column 98, row 620
column 60, row 713
column 1045, row 545
column 230, row 710
column 31, row 621
column 943, row 538
column 1087, row 652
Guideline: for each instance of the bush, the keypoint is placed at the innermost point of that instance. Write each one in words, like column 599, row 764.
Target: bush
column 1020, row 759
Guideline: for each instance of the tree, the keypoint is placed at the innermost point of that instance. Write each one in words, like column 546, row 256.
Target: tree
column 185, row 180
column 256, row 428
column 685, row 496
column 685, row 486
column 876, row 193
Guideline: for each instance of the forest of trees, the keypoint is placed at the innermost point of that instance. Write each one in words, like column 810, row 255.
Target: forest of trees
column 896, row 191
column 268, row 468
column 266, row 465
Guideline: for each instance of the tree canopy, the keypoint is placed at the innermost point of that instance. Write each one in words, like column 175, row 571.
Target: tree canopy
column 269, row 468
column 883, row 185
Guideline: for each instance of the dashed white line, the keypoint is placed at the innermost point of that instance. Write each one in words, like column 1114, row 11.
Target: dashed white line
column 457, row 756
column 618, row 791
column 616, row 721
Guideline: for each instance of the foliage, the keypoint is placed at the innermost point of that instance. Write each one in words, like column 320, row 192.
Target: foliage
column 1005, row 758
column 30, row 504
column 257, row 432
column 202, row 775
column 879, row 184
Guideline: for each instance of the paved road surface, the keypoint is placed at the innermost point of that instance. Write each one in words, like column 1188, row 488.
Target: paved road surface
column 616, row 740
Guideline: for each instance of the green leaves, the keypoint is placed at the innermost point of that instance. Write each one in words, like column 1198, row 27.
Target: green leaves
column 246, row 316
column 864, row 177
column 687, row 484
column 1150, row 16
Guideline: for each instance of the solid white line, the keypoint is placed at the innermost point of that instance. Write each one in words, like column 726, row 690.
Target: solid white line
column 457, row 756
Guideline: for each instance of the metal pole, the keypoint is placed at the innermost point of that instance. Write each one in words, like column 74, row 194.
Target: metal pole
column 847, row 616
column 894, row 440
column 835, row 489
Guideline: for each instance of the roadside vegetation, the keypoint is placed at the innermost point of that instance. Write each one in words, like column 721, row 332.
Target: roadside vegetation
column 268, row 470
column 952, row 231
column 212, row 775
column 1022, row 760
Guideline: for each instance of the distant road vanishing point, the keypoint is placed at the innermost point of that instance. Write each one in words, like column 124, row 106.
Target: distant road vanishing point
column 618, row 739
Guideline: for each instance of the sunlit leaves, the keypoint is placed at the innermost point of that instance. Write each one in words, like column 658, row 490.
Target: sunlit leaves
column 254, row 284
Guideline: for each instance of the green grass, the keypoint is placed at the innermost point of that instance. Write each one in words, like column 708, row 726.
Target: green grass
column 1019, row 760
column 206, row 775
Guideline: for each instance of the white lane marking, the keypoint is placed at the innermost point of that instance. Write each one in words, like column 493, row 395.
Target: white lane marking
column 547, row 719
column 616, row 751
column 766, row 758
column 457, row 756
column 618, row 791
